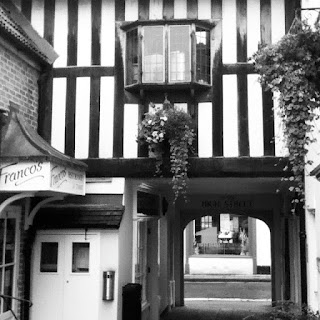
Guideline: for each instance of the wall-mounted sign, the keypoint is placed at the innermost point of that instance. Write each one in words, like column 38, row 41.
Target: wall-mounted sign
column 41, row 176
column 228, row 202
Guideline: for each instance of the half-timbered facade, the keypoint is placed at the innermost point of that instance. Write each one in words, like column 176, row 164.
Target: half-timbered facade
column 115, row 57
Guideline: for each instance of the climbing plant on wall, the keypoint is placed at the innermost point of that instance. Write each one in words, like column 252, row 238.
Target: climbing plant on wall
column 291, row 67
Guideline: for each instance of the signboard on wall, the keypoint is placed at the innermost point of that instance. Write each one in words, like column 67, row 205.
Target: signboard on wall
column 41, row 176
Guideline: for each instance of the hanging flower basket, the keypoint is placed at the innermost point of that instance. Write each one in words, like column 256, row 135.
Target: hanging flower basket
column 168, row 133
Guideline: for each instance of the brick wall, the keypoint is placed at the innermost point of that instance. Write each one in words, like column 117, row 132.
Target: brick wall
column 18, row 83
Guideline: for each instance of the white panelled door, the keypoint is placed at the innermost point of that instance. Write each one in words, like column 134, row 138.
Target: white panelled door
column 65, row 277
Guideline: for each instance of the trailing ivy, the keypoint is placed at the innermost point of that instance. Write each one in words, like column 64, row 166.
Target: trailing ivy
column 291, row 68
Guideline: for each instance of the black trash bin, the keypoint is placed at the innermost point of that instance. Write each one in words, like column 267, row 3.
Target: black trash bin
column 131, row 301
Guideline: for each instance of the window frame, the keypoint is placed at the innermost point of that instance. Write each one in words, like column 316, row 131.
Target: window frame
column 193, row 25
column 11, row 212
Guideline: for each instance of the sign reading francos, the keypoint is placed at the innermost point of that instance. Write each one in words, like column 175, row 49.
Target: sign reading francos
column 41, row 176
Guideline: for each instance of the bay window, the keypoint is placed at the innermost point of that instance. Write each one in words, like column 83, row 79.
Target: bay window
column 167, row 53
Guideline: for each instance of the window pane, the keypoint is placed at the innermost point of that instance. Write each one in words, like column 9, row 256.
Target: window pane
column 2, row 231
column 132, row 56
column 10, row 241
column 223, row 234
column 80, row 257
column 49, row 257
column 203, row 56
column 179, row 54
column 153, row 54
column 8, row 284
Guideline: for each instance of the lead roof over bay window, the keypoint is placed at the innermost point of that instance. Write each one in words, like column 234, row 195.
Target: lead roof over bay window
column 167, row 53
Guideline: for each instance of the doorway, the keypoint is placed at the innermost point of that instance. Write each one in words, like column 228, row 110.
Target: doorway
column 64, row 276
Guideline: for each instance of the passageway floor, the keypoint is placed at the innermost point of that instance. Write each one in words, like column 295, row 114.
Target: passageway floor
column 217, row 310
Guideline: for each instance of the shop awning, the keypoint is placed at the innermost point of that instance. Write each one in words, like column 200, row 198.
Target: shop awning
column 29, row 164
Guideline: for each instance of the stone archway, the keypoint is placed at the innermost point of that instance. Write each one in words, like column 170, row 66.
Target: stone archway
column 284, row 254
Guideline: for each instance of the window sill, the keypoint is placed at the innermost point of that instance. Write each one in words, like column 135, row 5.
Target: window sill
column 183, row 86
column 201, row 23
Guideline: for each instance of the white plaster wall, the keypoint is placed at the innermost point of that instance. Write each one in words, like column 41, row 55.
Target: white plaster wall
column 109, row 255
column 220, row 265
column 263, row 244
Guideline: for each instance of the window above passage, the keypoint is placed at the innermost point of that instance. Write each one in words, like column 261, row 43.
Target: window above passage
column 161, row 54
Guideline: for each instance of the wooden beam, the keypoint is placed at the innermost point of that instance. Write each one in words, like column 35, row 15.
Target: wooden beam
column 49, row 13
column 199, row 167
column 72, row 32
column 192, row 9
column 94, row 117
column 265, row 21
column 96, row 32
column 238, row 68
column 74, row 71
column 70, row 117
column 243, row 129
column 144, row 9
column 120, row 7
column 142, row 149
column 118, row 85
column 243, row 124
column 241, row 21
column 45, row 105
column 217, row 97
column 268, row 123
column 168, row 9
column 267, row 97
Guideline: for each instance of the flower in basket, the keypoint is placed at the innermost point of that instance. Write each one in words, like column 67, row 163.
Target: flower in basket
column 169, row 129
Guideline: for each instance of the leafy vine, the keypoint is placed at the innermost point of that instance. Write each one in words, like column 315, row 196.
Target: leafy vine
column 291, row 68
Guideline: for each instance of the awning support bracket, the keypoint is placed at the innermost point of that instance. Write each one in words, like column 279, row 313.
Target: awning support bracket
column 37, row 207
column 14, row 198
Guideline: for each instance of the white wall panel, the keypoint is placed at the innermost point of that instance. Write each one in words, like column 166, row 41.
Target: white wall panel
column 58, row 113
column 310, row 15
column 130, row 130
column 84, row 33
column 255, row 117
column 280, row 147
column 61, row 33
column 106, row 117
column 180, row 9
column 107, row 33
column 82, row 117
column 156, row 9
column 253, row 26
column 37, row 16
column 204, row 9
column 205, row 129
column 229, row 34
column 131, row 10
column 230, row 116
column 263, row 243
column 277, row 20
